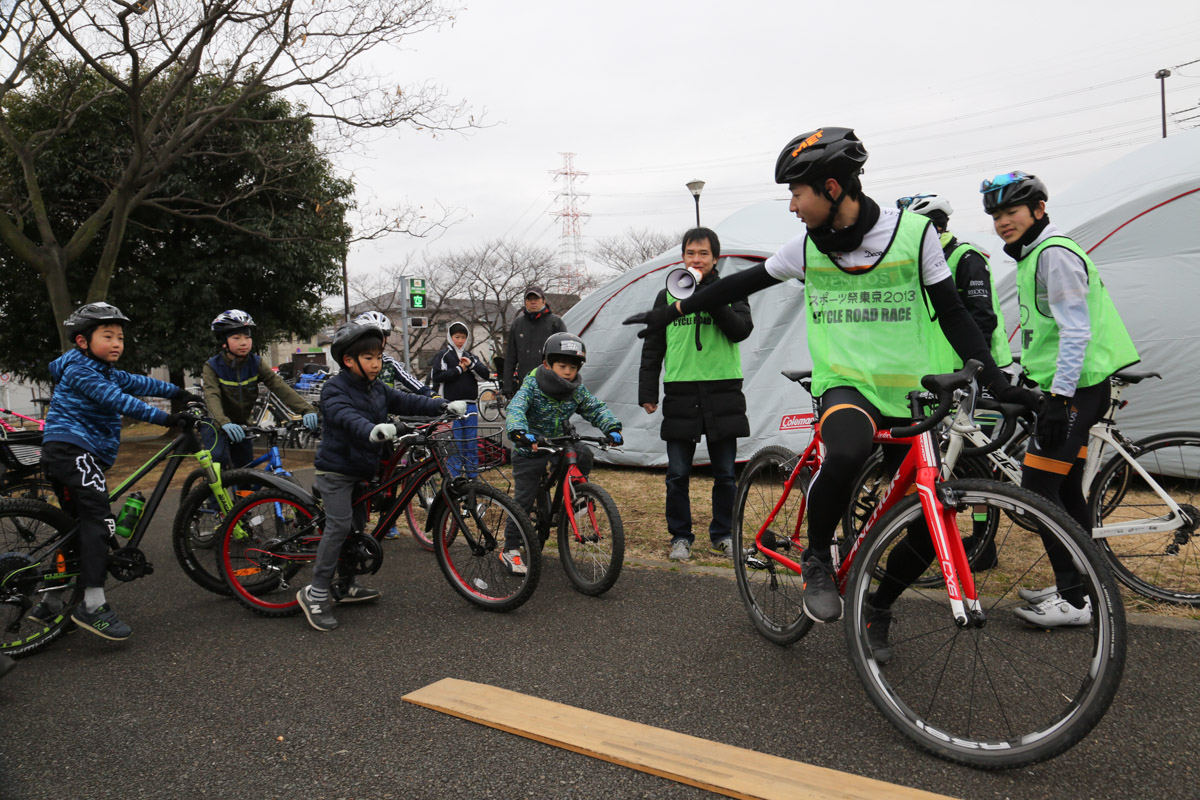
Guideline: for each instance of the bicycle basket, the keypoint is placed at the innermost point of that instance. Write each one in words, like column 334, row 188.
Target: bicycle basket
column 21, row 449
column 462, row 450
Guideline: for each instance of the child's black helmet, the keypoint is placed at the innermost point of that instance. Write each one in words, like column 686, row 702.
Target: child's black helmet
column 346, row 335
column 88, row 316
column 824, row 153
column 1012, row 189
column 564, row 345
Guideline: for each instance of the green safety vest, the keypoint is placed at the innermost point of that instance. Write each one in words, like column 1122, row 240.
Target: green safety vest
column 999, row 344
column 697, row 350
column 871, row 330
column 1110, row 348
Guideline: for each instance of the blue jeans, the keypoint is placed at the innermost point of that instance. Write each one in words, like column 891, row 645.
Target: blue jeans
column 723, row 453
column 466, row 434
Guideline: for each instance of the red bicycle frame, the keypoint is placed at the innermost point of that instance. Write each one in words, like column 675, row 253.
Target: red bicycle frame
column 920, row 470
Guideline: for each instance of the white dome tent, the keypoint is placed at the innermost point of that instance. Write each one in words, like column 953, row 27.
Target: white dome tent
column 1139, row 218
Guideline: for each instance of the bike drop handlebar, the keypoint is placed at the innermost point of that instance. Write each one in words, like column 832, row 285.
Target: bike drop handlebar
column 943, row 387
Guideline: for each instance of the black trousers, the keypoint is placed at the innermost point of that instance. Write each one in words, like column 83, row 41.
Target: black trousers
column 78, row 480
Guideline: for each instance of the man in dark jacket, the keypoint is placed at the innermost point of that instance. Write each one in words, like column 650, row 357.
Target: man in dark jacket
column 702, row 397
column 529, row 333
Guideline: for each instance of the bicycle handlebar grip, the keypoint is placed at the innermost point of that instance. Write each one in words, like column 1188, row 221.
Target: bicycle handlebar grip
column 1008, row 423
column 944, row 386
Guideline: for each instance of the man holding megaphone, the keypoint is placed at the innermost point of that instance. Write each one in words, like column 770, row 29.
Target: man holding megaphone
column 701, row 365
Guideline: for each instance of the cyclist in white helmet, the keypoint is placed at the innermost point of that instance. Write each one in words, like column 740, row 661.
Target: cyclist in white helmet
column 394, row 374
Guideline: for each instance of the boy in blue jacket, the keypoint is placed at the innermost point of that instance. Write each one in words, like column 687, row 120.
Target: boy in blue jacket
column 543, row 406
column 355, row 407
column 80, row 441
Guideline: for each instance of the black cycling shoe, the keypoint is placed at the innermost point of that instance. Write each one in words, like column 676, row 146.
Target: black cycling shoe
column 821, row 599
column 879, row 620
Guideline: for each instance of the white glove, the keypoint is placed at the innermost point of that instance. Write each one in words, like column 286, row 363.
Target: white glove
column 383, row 432
column 457, row 407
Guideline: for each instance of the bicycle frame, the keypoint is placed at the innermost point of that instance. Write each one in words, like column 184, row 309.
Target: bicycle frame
column 921, row 468
column 561, row 481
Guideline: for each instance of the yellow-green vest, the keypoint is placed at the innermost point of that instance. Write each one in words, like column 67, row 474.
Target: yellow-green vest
column 697, row 350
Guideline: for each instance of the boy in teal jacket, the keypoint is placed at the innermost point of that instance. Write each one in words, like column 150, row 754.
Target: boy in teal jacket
column 543, row 406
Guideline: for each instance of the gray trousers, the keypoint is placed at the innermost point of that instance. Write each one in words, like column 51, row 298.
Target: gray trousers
column 337, row 494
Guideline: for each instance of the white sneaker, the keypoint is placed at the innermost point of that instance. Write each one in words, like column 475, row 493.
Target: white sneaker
column 1035, row 596
column 1054, row 612
column 512, row 559
column 680, row 551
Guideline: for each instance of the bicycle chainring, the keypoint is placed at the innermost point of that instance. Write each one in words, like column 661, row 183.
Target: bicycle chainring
column 129, row 563
column 362, row 553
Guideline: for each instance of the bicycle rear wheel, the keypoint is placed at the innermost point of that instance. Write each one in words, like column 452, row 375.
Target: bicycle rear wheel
column 26, row 581
column 1162, row 565
column 30, row 489
column 490, row 405
column 1001, row 694
column 470, row 555
column 268, row 543
column 593, row 551
column 772, row 593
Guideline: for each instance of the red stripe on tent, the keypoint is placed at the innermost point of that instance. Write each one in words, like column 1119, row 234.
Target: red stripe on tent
column 1144, row 213
column 588, row 324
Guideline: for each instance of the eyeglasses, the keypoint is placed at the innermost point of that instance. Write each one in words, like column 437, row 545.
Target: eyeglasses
column 1000, row 181
column 904, row 202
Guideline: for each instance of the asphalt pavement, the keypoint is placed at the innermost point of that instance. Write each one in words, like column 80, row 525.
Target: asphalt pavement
column 208, row 700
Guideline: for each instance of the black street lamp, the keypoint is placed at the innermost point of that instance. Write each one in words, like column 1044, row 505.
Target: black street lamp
column 1162, row 76
column 694, row 187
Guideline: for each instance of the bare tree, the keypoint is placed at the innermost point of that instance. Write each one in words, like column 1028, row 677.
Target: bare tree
column 183, row 69
column 633, row 248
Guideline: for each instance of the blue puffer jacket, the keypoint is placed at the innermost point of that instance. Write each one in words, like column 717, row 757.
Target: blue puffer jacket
column 533, row 411
column 351, row 406
column 89, row 399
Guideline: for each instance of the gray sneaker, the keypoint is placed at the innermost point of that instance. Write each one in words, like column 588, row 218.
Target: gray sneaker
column 680, row 550
column 102, row 622
column 822, row 602
column 722, row 547
column 319, row 614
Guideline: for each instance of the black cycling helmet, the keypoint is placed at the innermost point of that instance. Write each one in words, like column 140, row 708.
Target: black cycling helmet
column 1012, row 189
column 824, row 153
column 89, row 315
column 230, row 322
column 564, row 345
column 346, row 335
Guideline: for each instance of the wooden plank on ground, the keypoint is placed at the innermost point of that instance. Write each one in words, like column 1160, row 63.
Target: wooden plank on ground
column 721, row 768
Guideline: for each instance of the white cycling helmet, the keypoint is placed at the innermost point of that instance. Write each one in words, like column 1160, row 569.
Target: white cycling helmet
column 923, row 204
column 376, row 319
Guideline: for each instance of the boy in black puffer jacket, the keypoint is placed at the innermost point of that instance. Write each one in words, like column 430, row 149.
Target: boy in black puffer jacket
column 355, row 407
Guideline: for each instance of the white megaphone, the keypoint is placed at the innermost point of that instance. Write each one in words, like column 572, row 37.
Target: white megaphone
column 682, row 282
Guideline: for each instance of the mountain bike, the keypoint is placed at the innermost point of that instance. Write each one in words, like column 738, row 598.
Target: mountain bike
column 203, row 506
column 966, row 680
column 1143, row 496
column 269, row 540
column 39, row 556
column 591, row 536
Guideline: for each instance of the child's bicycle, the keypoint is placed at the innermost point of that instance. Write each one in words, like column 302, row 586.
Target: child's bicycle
column 965, row 679
column 269, row 540
column 40, row 424
column 591, row 536
column 39, row 558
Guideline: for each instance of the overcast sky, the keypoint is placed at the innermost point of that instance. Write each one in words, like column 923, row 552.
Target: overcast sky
column 651, row 94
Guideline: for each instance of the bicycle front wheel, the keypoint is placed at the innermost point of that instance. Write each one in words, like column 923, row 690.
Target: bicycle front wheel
column 1165, row 564
column 471, row 554
column 772, row 593
column 490, row 405
column 997, row 694
column 268, row 543
column 37, row 593
column 593, row 550
column 194, row 538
